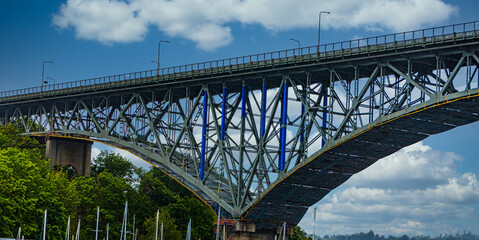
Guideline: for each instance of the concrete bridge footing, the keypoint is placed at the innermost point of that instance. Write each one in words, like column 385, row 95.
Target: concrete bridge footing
column 247, row 231
column 69, row 151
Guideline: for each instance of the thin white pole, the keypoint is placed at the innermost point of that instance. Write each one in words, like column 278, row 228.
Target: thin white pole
column 284, row 230
column 126, row 217
column 133, row 231
column 19, row 233
column 44, row 224
column 107, row 229
column 314, row 224
column 161, row 235
column 123, row 225
column 67, row 237
column 218, row 224
column 188, row 231
column 97, row 220
column 224, row 232
column 156, row 231
column 77, row 237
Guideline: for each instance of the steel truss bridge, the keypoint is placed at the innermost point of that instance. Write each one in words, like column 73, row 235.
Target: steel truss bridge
column 266, row 136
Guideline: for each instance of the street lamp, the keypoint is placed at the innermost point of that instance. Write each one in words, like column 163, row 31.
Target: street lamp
column 319, row 27
column 159, row 47
column 43, row 71
column 299, row 43
column 46, row 81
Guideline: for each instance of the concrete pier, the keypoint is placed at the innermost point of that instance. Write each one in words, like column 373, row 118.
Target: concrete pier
column 69, row 151
column 247, row 231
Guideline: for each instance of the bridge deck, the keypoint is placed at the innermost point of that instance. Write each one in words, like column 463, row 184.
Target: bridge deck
column 252, row 64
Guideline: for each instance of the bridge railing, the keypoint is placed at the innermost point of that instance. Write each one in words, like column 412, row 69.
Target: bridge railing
column 394, row 41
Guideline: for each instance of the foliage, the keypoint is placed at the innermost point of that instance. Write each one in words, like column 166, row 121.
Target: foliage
column 113, row 163
column 153, row 186
column 29, row 185
column 10, row 137
column 371, row 236
column 169, row 227
column 299, row 234
column 202, row 218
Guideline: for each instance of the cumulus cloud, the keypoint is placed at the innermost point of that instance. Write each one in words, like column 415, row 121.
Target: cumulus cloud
column 417, row 166
column 378, row 199
column 103, row 20
column 205, row 22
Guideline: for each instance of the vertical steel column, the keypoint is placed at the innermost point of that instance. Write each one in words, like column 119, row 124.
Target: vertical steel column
column 284, row 121
column 263, row 110
column 301, row 138
column 244, row 97
column 325, row 114
column 203, row 135
column 223, row 113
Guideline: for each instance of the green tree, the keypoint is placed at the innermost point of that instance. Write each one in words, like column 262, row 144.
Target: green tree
column 299, row 234
column 170, row 231
column 10, row 137
column 28, row 187
column 201, row 215
column 107, row 192
column 152, row 185
column 113, row 163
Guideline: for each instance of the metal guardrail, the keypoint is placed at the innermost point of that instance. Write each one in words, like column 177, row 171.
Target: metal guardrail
column 401, row 40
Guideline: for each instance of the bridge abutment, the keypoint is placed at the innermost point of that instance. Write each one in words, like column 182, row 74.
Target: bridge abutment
column 69, row 151
column 248, row 231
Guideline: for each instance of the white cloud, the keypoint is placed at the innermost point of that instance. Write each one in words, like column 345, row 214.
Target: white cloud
column 378, row 199
column 95, row 152
column 102, row 20
column 205, row 22
column 417, row 166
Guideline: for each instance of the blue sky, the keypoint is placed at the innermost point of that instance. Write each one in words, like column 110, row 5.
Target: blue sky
column 429, row 188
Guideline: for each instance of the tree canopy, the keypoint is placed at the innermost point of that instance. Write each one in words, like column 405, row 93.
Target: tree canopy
column 29, row 186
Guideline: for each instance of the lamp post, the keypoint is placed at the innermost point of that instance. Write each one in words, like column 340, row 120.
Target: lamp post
column 159, row 48
column 47, row 82
column 299, row 44
column 319, row 27
column 43, row 71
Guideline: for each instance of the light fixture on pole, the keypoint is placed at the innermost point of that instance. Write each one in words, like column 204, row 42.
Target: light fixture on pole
column 319, row 27
column 159, row 48
column 49, row 78
column 43, row 71
column 299, row 43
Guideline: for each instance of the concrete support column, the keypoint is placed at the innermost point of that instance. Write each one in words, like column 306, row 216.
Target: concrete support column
column 69, row 151
column 248, row 231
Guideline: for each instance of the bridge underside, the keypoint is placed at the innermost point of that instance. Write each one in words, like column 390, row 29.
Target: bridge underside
column 290, row 199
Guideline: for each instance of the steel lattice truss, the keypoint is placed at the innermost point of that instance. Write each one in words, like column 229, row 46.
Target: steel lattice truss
column 233, row 138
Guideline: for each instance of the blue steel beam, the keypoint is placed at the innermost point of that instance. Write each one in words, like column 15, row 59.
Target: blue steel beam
column 203, row 134
column 263, row 109
column 325, row 114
